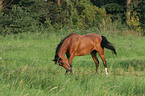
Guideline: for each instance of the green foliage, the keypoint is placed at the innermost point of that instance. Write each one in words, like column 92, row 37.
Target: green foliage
column 18, row 19
column 136, row 21
column 114, row 8
column 140, row 9
column 117, row 11
column 91, row 15
column 34, row 15
column 38, row 15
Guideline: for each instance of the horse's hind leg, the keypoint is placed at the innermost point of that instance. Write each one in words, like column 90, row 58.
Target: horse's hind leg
column 94, row 56
column 101, row 53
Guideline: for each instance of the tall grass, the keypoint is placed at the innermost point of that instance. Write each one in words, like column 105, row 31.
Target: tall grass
column 27, row 70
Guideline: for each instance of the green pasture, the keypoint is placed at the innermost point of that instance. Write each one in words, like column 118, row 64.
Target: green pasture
column 26, row 67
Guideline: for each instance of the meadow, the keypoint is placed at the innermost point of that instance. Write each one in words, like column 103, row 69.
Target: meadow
column 27, row 69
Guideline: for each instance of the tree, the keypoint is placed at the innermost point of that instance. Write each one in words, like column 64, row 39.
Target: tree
column 1, row 1
column 128, row 10
column 58, row 2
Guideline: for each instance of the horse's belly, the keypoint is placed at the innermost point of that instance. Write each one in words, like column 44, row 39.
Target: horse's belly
column 85, row 46
column 84, row 51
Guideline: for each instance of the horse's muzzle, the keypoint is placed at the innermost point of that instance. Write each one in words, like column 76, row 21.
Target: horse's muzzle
column 70, row 69
column 60, row 64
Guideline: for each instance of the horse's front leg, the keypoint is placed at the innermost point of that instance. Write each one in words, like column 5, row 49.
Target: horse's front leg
column 70, row 58
column 67, row 72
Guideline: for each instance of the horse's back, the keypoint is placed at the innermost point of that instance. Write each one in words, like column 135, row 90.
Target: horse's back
column 84, row 44
column 74, row 34
column 90, row 35
column 90, row 38
column 93, row 36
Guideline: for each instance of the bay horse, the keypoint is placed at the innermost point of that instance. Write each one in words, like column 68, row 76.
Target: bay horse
column 79, row 45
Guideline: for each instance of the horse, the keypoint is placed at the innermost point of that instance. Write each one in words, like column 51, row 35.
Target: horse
column 79, row 45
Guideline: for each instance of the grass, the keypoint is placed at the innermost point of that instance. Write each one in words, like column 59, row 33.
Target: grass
column 27, row 70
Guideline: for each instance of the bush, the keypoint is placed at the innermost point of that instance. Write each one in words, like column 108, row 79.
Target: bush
column 116, row 11
column 34, row 15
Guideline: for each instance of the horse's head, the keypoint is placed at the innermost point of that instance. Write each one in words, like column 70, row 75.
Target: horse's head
column 64, row 63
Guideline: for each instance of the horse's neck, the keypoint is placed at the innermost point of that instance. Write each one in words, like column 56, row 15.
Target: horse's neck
column 62, row 50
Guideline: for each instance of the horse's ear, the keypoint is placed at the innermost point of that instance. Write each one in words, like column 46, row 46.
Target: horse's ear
column 54, row 61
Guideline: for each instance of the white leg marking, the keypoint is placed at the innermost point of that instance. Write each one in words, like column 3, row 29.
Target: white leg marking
column 106, row 71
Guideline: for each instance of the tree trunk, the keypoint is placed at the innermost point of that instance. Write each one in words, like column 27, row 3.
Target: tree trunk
column 67, row 9
column 99, row 3
column 58, row 2
column 1, row 4
column 128, row 10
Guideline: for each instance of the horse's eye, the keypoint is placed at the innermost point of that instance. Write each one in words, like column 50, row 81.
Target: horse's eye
column 60, row 64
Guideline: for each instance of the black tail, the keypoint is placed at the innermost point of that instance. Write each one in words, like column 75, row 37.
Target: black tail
column 105, row 43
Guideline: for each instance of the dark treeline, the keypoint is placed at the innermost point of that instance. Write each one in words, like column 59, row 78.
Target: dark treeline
column 17, row 16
